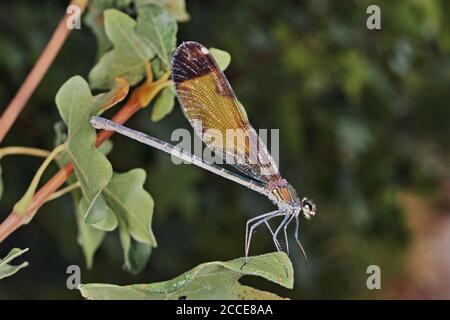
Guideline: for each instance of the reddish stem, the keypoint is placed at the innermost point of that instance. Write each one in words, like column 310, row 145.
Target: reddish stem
column 35, row 76
column 14, row 220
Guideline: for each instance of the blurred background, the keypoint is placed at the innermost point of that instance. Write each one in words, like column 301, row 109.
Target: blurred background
column 364, row 130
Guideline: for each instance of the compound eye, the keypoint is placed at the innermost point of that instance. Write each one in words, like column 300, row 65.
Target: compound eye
column 309, row 208
column 306, row 208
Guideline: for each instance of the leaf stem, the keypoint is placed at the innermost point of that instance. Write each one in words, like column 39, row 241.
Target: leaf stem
column 35, row 76
column 26, row 151
column 63, row 191
column 148, row 71
column 22, row 205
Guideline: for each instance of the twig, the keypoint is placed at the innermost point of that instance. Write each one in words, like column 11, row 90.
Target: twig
column 35, row 76
column 15, row 220
column 22, row 205
column 63, row 191
column 134, row 104
column 23, row 151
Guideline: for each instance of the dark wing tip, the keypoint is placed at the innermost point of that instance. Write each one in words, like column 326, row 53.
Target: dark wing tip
column 187, row 46
column 191, row 60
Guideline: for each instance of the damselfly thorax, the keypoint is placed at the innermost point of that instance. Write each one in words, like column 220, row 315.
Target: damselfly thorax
column 209, row 103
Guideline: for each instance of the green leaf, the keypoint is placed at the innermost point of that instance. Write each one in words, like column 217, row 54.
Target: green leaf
column 158, row 30
column 176, row 8
column 132, row 207
column 213, row 280
column 95, row 21
column 123, row 203
column 63, row 158
column 222, row 58
column 89, row 237
column 60, row 129
column 76, row 104
column 164, row 104
column 6, row 269
column 100, row 215
column 127, row 59
column 157, row 68
column 135, row 253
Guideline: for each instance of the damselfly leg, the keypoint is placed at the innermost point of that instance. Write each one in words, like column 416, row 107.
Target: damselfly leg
column 285, row 232
column 277, row 243
column 284, row 222
column 256, row 222
column 297, row 226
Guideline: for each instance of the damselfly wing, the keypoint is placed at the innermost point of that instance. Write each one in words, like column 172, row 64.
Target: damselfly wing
column 209, row 102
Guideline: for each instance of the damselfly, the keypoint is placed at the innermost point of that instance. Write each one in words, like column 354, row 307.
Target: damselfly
column 209, row 103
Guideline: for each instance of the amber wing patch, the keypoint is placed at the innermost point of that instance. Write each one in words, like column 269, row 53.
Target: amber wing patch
column 209, row 103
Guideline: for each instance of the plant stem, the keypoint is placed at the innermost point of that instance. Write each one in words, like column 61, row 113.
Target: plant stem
column 23, row 151
column 133, row 105
column 15, row 220
column 22, row 205
column 41, row 66
column 63, row 191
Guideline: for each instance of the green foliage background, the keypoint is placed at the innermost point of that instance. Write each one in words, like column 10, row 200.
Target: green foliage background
column 363, row 116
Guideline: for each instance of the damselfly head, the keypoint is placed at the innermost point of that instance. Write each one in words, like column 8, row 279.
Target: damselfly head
column 308, row 208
